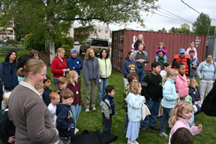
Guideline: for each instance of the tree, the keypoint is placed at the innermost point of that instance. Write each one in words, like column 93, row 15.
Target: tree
column 162, row 30
column 53, row 18
column 202, row 24
column 212, row 30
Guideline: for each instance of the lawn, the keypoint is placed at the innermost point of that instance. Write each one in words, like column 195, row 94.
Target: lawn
column 93, row 120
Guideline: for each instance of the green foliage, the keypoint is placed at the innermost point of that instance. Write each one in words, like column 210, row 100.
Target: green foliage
column 67, row 50
column 212, row 30
column 30, row 43
column 162, row 30
column 202, row 24
column 68, row 41
column 184, row 29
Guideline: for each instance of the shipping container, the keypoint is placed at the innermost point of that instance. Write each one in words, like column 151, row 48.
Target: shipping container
column 123, row 41
column 211, row 46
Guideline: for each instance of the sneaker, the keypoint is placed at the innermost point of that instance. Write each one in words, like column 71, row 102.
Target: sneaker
column 144, row 129
column 129, row 142
column 155, row 128
column 135, row 142
column 86, row 110
column 163, row 134
column 76, row 131
column 94, row 109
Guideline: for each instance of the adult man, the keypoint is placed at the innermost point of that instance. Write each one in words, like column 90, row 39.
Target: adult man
column 161, row 60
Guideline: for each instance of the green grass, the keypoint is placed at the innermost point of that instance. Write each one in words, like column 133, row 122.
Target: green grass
column 93, row 120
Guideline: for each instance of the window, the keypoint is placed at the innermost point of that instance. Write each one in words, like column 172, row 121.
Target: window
column 99, row 43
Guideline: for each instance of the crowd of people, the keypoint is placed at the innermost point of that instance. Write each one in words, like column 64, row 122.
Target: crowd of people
column 33, row 113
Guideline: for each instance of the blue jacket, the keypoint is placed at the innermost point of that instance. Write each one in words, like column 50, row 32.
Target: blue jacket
column 75, row 64
column 129, row 66
column 45, row 96
column 169, row 94
column 65, row 120
column 110, row 99
column 206, row 71
column 134, row 107
column 10, row 80
column 195, row 94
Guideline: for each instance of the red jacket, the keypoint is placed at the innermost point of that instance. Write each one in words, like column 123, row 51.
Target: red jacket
column 185, row 60
column 57, row 67
column 77, row 94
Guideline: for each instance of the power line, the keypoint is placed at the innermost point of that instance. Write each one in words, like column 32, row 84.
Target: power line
column 168, row 17
column 172, row 14
column 190, row 7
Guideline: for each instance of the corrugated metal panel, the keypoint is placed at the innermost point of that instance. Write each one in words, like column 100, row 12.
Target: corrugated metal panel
column 211, row 46
column 123, row 40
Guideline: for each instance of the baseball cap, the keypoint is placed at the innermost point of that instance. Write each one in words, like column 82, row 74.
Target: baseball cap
column 73, row 50
column 181, row 50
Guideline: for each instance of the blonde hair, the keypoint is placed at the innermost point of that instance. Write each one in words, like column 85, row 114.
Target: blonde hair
column 193, row 81
column 60, row 81
column 32, row 65
column 134, row 87
column 71, row 75
column 179, row 108
column 6, row 97
column 53, row 95
column 171, row 72
column 161, row 43
column 38, row 87
column 59, row 50
column 137, row 38
column 87, row 54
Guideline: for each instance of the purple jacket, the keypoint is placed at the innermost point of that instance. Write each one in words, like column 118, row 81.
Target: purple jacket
column 195, row 94
column 164, row 50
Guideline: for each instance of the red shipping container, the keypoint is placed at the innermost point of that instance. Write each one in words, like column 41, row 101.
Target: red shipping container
column 123, row 41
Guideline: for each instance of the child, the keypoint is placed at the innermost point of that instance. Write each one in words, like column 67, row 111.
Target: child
column 161, row 47
column 181, row 81
column 134, row 101
column 152, row 91
column 141, row 60
column 40, row 89
column 192, row 48
column 130, row 78
column 182, row 136
column 75, row 63
column 65, row 121
column 108, row 108
column 195, row 94
column 61, row 85
column 194, row 64
column 47, row 90
column 74, row 86
column 139, row 40
column 180, row 117
column 7, row 127
column 169, row 99
column 55, row 99
column 167, row 67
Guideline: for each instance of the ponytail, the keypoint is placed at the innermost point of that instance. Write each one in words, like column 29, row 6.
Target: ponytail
column 164, row 80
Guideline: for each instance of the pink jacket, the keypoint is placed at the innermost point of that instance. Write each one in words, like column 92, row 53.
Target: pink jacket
column 184, row 123
column 187, row 51
column 181, row 86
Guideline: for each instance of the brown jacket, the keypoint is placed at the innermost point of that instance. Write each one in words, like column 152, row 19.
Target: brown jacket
column 31, row 116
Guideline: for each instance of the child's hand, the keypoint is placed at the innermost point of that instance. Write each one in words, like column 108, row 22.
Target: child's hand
column 68, row 129
column 178, row 97
column 200, row 127
column 108, row 118
column 11, row 139
column 143, row 97
column 197, row 102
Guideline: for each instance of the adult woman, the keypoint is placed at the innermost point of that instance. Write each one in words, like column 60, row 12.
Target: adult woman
column 59, row 65
column 8, row 71
column 105, row 72
column 207, row 74
column 27, row 110
column 129, row 66
column 91, row 75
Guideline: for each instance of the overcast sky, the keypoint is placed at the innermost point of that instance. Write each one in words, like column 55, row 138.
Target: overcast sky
column 156, row 22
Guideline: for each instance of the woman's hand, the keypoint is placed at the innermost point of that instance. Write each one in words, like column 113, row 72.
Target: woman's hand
column 11, row 139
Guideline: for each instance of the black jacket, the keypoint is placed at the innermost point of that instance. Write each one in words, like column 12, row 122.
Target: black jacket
column 65, row 120
column 45, row 96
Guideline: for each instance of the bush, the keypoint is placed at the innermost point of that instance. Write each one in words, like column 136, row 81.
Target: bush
column 31, row 44
column 28, row 42
column 67, row 50
column 65, row 41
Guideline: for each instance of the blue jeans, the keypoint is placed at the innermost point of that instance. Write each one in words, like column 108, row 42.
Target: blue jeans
column 101, row 89
column 157, row 58
column 55, row 81
column 141, row 73
column 165, row 118
column 182, row 99
column 126, row 122
column 107, row 124
column 153, row 107
column 76, row 111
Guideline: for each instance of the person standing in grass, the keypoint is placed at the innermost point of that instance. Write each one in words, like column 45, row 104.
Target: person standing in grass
column 152, row 91
column 108, row 108
column 167, row 67
column 134, row 101
column 161, row 60
column 47, row 90
column 91, row 75
column 105, row 72
column 61, row 85
column 75, row 63
column 169, row 99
